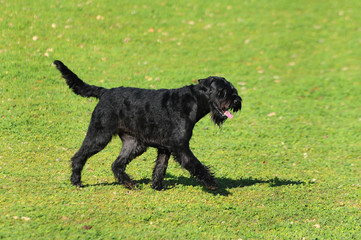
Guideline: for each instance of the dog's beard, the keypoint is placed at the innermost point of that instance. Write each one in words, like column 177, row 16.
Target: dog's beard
column 217, row 119
column 220, row 116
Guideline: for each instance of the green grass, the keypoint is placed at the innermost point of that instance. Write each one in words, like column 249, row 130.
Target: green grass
column 289, row 165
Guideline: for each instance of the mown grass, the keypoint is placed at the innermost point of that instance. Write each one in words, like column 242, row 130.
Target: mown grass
column 288, row 165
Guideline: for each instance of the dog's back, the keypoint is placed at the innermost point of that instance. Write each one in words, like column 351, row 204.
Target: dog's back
column 157, row 117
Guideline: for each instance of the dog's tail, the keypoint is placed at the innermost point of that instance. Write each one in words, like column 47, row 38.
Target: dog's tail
column 76, row 84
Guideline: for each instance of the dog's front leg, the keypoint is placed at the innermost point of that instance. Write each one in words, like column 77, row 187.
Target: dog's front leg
column 160, row 168
column 187, row 159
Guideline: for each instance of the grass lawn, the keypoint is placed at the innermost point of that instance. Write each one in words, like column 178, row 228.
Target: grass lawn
column 289, row 165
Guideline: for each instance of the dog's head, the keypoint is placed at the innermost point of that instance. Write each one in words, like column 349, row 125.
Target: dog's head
column 222, row 97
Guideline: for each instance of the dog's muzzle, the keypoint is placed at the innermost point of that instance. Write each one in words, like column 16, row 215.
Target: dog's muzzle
column 236, row 104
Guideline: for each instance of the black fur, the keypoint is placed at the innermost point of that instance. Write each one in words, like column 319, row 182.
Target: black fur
column 142, row 118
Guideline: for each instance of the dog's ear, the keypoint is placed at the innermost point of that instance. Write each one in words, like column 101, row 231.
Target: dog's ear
column 206, row 82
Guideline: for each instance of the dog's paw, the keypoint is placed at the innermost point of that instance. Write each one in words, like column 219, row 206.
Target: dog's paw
column 212, row 187
column 158, row 187
column 78, row 185
column 130, row 184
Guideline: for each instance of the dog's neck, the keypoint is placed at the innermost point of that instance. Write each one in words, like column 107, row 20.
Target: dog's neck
column 203, row 100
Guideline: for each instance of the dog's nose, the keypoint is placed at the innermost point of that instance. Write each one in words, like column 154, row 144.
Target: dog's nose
column 237, row 103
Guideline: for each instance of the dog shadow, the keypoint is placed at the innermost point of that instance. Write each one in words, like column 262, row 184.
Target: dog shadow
column 172, row 181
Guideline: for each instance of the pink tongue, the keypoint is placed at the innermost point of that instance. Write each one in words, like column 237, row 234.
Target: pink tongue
column 228, row 114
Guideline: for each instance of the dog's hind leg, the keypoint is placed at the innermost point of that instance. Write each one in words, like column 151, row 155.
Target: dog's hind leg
column 100, row 132
column 160, row 168
column 187, row 159
column 94, row 142
column 131, row 148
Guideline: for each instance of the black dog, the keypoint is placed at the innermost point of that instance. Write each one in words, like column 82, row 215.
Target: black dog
column 142, row 118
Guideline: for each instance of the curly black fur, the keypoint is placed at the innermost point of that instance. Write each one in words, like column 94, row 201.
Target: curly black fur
column 142, row 118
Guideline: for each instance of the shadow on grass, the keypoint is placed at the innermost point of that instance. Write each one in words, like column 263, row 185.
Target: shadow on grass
column 224, row 183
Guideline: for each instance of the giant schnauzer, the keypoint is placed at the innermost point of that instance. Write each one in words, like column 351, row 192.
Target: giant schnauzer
column 142, row 118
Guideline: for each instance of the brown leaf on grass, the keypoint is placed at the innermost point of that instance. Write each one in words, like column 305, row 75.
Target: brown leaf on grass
column 291, row 64
column 25, row 218
column 46, row 54
column 314, row 89
column 208, row 26
column 260, row 70
column 87, row 227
